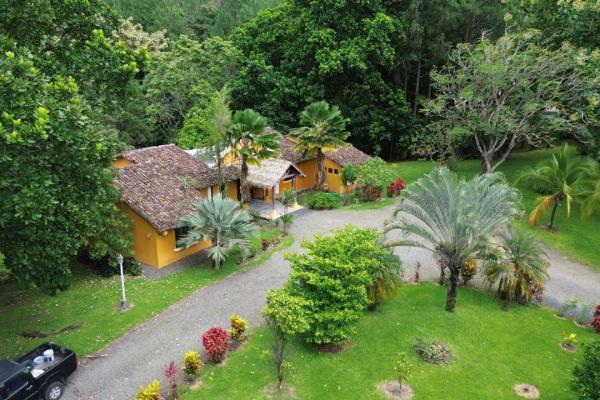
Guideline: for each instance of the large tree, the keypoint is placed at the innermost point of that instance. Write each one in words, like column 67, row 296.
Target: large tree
column 56, row 191
column 322, row 126
column 453, row 218
column 345, row 52
column 514, row 90
column 251, row 142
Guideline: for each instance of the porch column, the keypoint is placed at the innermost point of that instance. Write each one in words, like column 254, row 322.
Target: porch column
column 274, row 213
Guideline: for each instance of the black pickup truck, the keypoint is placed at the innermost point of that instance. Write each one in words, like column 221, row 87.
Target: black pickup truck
column 23, row 380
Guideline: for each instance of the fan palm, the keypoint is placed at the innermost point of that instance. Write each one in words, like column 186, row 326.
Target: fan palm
column 591, row 198
column 221, row 221
column 454, row 219
column 322, row 126
column 562, row 179
column 251, row 141
column 519, row 268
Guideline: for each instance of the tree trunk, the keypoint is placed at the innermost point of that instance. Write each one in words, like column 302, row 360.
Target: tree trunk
column 452, row 288
column 553, row 214
column 320, row 169
column 244, row 181
column 417, row 83
column 484, row 167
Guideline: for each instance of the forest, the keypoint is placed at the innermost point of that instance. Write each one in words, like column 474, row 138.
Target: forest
column 81, row 80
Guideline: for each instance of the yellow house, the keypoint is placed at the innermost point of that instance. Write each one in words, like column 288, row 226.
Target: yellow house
column 335, row 160
column 159, row 185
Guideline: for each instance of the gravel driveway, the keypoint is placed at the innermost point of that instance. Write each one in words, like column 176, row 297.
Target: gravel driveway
column 138, row 357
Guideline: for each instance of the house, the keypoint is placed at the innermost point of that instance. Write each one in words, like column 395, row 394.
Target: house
column 159, row 185
column 335, row 160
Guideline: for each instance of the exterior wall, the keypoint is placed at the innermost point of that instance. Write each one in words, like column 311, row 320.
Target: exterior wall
column 333, row 180
column 153, row 248
column 144, row 237
column 232, row 191
column 309, row 169
column 165, row 246
column 121, row 162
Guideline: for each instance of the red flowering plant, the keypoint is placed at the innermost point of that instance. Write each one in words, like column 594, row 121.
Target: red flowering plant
column 371, row 194
column 596, row 319
column 264, row 244
column 215, row 343
column 395, row 187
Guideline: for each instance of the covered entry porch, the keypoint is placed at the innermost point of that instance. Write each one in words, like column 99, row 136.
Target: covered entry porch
column 267, row 181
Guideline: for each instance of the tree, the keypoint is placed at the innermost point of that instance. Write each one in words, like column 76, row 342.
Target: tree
column 561, row 179
column 586, row 374
column 454, row 219
column 221, row 221
column 287, row 315
column 345, row 52
column 520, row 268
column 56, row 191
column 187, row 76
column 251, row 142
column 287, row 199
column 503, row 93
column 322, row 126
column 134, row 36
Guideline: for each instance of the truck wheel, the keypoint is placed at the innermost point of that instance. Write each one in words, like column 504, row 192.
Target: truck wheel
column 54, row 391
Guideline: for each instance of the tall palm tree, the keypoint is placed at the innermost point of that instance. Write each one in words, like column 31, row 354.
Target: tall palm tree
column 519, row 268
column 561, row 179
column 251, row 142
column 223, row 222
column 322, row 126
column 454, row 219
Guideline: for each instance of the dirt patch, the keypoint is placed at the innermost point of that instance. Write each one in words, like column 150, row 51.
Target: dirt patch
column 286, row 391
column 526, row 390
column 330, row 348
column 569, row 347
column 195, row 384
column 393, row 390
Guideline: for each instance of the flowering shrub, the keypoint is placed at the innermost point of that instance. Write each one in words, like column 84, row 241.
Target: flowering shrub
column 468, row 270
column 215, row 343
column 371, row 193
column 191, row 364
column 172, row 373
column 570, row 339
column 596, row 319
column 150, row 392
column 395, row 187
column 264, row 243
column 238, row 328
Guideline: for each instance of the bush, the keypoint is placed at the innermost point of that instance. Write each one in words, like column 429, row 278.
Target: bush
column 264, row 243
column 395, row 187
column 371, row 194
column 108, row 265
column 332, row 277
column 215, row 343
column 191, row 364
column 586, row 375
column 468, row 270
column 349, row 174
column 238, row 328
column 150, row 392
column 375, row 173
column 596, row 319
column 324, row 200
column 433, row 352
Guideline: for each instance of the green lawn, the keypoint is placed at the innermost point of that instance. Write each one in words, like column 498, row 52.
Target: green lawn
column 571, row 230
column 493, row 350
column 92, row 301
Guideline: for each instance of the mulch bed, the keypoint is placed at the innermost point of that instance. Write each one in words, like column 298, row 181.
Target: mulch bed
column 433, row 352
column 392, row 390
column 568, row 347
column 330, row 348
column 526, row 391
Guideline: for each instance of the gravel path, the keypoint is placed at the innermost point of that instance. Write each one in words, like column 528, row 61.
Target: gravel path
column 137, row 357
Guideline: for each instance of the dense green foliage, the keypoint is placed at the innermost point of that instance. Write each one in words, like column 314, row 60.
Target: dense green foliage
column 324, row 201
column 56, row 192
column 525, row 339
column 586, row 375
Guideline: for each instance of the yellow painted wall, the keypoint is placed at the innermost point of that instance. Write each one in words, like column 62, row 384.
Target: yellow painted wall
column 121, row 162
column 333, row 180
column 232, row 190
column 167, row 254
column 144, row 237
column 309, row 169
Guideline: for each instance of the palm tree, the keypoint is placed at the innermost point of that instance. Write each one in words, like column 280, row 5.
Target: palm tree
column 561, row 179
column 251, row 142
column 519, row 268
column 454, row 219
column 591, row 198
column 218, row 126
column 321, row 126
column 223, row 222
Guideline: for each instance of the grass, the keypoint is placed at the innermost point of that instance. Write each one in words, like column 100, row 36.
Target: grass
column 571, row 230
column 92, row 301
column 493, row 350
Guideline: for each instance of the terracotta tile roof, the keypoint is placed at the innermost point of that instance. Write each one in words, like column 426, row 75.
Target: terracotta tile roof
column 211, row 177
column 153, row 186
column 342, row 155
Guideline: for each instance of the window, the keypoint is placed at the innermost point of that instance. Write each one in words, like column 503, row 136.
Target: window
column 179, row 234
column 335, row 171
column 330, row 170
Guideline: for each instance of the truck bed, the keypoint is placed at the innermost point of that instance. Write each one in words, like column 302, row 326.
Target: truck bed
column 60, row 354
